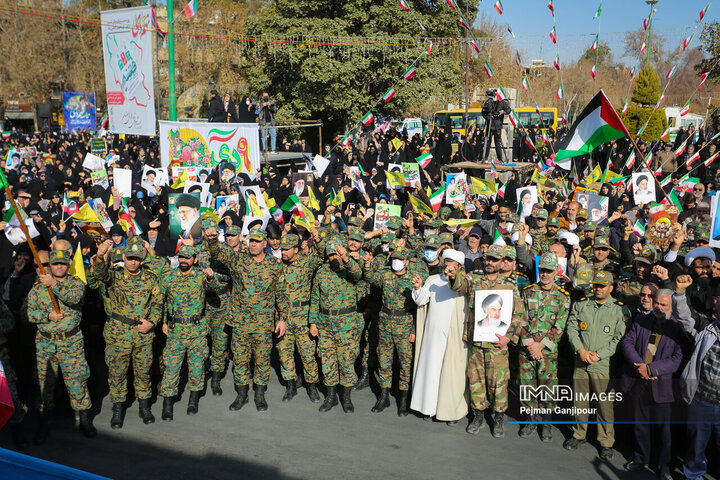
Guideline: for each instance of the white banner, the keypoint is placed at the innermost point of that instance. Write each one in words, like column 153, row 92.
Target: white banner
column 204, row 144
column 127, row 36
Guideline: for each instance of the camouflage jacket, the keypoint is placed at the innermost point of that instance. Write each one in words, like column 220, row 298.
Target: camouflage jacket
column 298, row 275
column 70, row 293
column 335, row 290
column 184, row 298
column 547, row 316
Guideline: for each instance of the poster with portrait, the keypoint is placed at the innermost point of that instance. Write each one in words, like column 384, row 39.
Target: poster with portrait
column 100, row 177
column 203, row 174
column 597, row 207
column 152, row 178
column 643, row 186
column 662, row 225
column 253, row 222
column 224, row 203
column 412, row 173
column 14, row 158
column 356, row 179
column 493, row 314
column 301, row 182
column 184, row 213
column 383, row 211
column 100, row 210
column 455, row 188
column 394, row 167
column 191, row 173
column 203, row 189
column 253, row 194
column 526, row 198
column 228, row 174
column 79, row 110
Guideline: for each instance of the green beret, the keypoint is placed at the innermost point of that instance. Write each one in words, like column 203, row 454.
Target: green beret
column 401, row 253
column 357, row 234
column 187, row 200
column 394, row 223
column 289, row 241
column 59, row 256
column 187, row 251
column 257, row 235
column 548, row 261
column 432, row 241
column 233, row 230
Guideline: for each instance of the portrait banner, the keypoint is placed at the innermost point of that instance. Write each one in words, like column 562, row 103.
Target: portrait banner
column 493, row 314
column 79, row 111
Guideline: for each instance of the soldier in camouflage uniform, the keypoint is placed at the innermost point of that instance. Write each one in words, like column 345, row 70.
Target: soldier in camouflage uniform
column 600, row 259
column 488, row 364
column 298, row 270
column 642, row 274
column 59, row 338
column 548, row 307
column 396, row 324
column 587, row 235
column 134, row 307
column 366, row 304
column 183, row 293
column 260, row 296
column 334, row 319
column 508, row 267
column 431, row 254
column 7, row 322
column 540, row 240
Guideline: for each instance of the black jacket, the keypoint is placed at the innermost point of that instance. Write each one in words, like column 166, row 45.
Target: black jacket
column 217, row 110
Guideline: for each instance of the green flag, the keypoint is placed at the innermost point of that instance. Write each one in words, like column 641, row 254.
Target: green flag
column 3, row 181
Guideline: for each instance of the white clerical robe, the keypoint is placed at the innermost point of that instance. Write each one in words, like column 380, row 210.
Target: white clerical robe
column 440, row 380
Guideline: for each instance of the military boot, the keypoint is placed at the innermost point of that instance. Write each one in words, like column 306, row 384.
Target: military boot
column 498, row 428
column 312, row 392
column 193, row 403
column 118, row 415
column 18, row 436
column 145, row 413
column 402, row 404
column 43, row 429
column 167, row 410
column 241, row 398
column 529, row 428
column 86, row 426
column 546, row 432
column 383, row 402
column 477, row 423
column 330, row 400
column 364, row 380
column 215, row 383
column 347, row 404
column 290, row 391
column 260, row 402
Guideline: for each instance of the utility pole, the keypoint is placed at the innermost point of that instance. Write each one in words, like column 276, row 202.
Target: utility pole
column 172, row 114
column 652, row 10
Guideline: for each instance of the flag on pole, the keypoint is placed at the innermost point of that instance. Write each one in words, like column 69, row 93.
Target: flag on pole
column 191, row 9
column 422, row 27
column 277, row 214
column 648, row 160
column 646, row 21
column 692, row 159
column 70, row 207
column 639, row 229
column 500, row 94
column 4, row 183
column 632, row 72
column 685, row 110
column 556, row 62
column 703, row 12
column 395, row 179
column 660, row 101
column 474, row 46
column 703, row 77
column 593, row 71
column 513, row 118
column 368, row 119
column 429, row 49
column 452, row 4
column 665, row 134
column 681, row 149
column 687, row 41
column 525, row 84
column 517, row 58
column 672, row 72
column 292, row 204
column 510, row 31
column 419, row 206
column 403, row 5
column 128, row 222
column 599, row 10
column 462, row 23
column 630, row 161
column 553, row 34
column 499, row 7
column 437, row 197
column 560, row 93
column 346, row 139
column 551, row 7
column 424, row 159
column 711, row 159
column 666, row 181
column 624, row 109
column 409, row 73
column 643, row 47
column 77, row 267
column 501, row 190
column 312, row 199
column 498, row 239
column 389, row 94
column 487, row 69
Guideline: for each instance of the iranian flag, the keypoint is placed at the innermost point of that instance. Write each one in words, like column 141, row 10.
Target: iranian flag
column 703, row 77
column 630, row 161
column 292, row 204
column 474, row 46
column 498, row 7
column 498, row 239
column 429, row 49
column 593, row 71
column 659, row 102
column 409, row 73
column 500, row 94
column 191, row 9
column 688, row 182
column 560, row 93
column 692, row 159
column 665, row 134
column 389, row 94
column 646, row 21
column 368, row 119
column 70, row 207
column 553, row 34
column 681, row 149
column 666, row 181
column 551, row 7
column 525, row 84
column 687, row 41
column 597, row 124
column 513, row 118
column 488, row 70
column 643, row 47
column 686, row 109
column 501, row 190
column 424, row 159
column 518, row 62
column 671, row 73
column 462, row 23
column 556, row 62
column 128, row 222
column 711, row 159
column 703, row 12
column 510, row 31
column 437, row 198
column 638, row 229
column 277, row 214
column 403, row 5
column 594, row 46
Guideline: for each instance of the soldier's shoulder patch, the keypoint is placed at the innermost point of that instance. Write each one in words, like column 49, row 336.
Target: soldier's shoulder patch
column 582, row 299
column 529, row 286
column 564, row 292
column 155, row 290
column 620, row 303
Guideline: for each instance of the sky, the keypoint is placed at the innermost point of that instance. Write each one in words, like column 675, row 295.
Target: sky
column 532, row 22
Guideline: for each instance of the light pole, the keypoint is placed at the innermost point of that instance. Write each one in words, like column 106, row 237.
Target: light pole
column 652, row 10
column 172, row 104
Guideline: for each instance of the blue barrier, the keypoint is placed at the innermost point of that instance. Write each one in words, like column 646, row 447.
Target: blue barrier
column 15, row 465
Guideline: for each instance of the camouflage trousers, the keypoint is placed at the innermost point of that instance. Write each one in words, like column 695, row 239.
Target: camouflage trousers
column 338, row 351
column 123, row 344
column 219, row 340
column 69, row 355
column 538, row 372
column 176, row 348
column 391, row 338
column 251, row 345
column 370, row 339
column 488, row 374
column 297, row 335
column 19, row 412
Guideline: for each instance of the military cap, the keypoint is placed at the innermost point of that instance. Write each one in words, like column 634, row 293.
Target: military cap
column 331, row 245
column 59, row 256
column 357, row 235
column 187, row 251
column 355, row 221
column 116, row 254
column 394, row 223
column 208, row 223
column 583, row 275
column 433, row 223
column 602, row 278
column 548, row 261
column 387, row 237
column 134, row 251
column 432, row 241
column 187, row 200
column 135, row 240
column 603, row 231
column 590, row 226
column 371, row 245
column 496, row 251
column 513, row 217
column 553, row 222
column 582, row 213
column 542, row 213
column 517, row 227
column 289, row 241
column 401, row 253
column 476, row 232
column 446, row 238
column 702, row 232
column 444, row 212
column 509, row 252
column 257, row 235
column 233, row 230
column 647, row 255
column 601, row 242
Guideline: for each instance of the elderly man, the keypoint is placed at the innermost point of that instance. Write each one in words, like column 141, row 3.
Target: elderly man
column 653, row 350
column 188, row 207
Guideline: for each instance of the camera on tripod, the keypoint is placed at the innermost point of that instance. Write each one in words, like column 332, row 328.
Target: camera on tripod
column 489, row 108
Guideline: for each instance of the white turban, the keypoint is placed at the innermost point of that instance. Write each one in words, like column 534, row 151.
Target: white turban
column 699, row 252
column 456, row 255
column 570, row 238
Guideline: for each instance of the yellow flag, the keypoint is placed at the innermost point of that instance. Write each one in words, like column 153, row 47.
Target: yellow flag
column 77, row 267
column 461, row 222
column 312, row 199
column 395, row 179
column 538, row 177
column 182, row 178
column 86, row 214
column 428, row 191
column 482, row 187
column 610, row 175
column 111, row 202
column 594, row 176
column 419, row 206
column 397, row 143
column 308, row 221
column 269, row 201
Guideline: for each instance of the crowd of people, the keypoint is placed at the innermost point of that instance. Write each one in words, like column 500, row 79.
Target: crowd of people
column 454, row 308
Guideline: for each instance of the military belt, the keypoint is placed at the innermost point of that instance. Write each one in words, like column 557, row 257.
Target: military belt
column 340, row 311
column 300, row 303
column 394, row 313
column 124, row 319
column 60, row 335
column 195, row 319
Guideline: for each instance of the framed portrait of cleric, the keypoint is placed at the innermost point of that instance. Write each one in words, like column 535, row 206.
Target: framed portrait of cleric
column 253, row 198
column 203, row 189
column 184, row 213
column 643, row 186
column 493, row 314
column 597, row 207
column 301, row 182
column 526, row 198
column 253, row 222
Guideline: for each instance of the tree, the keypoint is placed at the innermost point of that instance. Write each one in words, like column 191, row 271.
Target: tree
column 636, row 117
column 647, row 87
column 710, row 39
column 602, row 54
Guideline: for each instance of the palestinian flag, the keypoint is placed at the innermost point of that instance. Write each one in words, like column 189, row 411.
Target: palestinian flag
column 403, row 5
column 424, row 159
column 292, row 204
column 191, row 9
column 452, row 4
column 488, row 70
column 681, row 149
column 711, row 159
column 525, row 83
column 389, row 94
column 638, row 229
column 685, row 110
column 462, row 23
column 70, row 207
column 553, row 34
column 687, row 41
column 630, row 161
column 556, row 62
column 498, row 239
column 368, row 119
column 474, row 46
column 409, row 73
column 671, row 73
column 560, row 93
column 499, row 7
column 703, row 77
column 597, row 124
column 436, row 198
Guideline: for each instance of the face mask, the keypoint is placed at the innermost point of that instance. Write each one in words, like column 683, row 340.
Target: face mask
column 386, row 248
column 452, row 229
column 431, row 255
column 247, row 102
column 397, row 264
column 427, row 233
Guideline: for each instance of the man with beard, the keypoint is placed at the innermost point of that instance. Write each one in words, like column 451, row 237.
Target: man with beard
column 183, row 294
column 699, row 262
column 299, row 188
column 644, row 271
column 188, row 207
column 366, row 304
